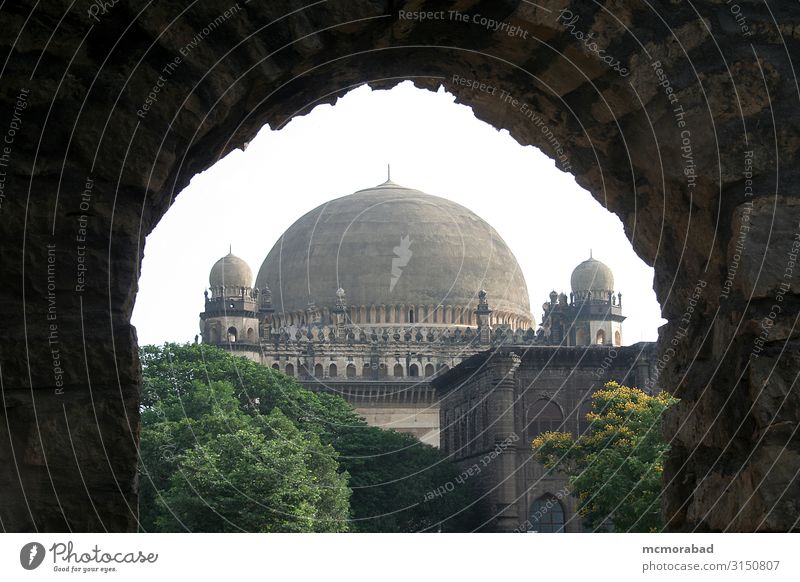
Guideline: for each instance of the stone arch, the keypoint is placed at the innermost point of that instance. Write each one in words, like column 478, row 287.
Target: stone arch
column 398, row 370
column 350, row 370
column 276, row 366
column 251, row 335
column 413, row 371
column 593, row 112
column 318, row 371
column 233, row 334
column 332, row 370
column 213, row 335
column 544, row 416
column 547, row 515
column 289, row 369
column 429, row 371
column 617, row 338
column 600, row 337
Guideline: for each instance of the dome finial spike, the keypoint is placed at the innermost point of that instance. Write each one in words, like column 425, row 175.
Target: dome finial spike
column 388, row 172
column 590, row 253
column 230, row 249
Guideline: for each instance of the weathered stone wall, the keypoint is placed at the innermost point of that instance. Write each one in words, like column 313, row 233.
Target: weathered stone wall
column 107, row 111
column 471, row 417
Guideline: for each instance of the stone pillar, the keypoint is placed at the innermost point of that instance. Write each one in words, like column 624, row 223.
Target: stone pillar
column 504, row 440
column 483, row 315
column 734, row 460
column 69, row 363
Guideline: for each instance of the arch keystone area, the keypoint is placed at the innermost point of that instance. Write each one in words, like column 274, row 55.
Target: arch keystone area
column 674, row 116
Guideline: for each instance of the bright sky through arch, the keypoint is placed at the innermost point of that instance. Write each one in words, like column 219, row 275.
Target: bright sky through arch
column 249, row 198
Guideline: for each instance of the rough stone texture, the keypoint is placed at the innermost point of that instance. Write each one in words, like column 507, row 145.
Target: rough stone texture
column 734, row 461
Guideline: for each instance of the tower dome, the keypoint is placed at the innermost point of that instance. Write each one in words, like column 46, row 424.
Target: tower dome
column 230, row 271
column 400, row 255
column 592, row 275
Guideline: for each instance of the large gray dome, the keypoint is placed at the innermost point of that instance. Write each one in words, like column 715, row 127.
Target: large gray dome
column 592, row 275
column 230, row 271
column 391, row 245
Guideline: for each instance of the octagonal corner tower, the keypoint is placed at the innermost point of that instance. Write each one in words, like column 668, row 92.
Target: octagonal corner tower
column 401, row 256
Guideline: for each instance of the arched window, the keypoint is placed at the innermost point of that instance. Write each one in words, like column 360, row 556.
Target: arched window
column 232, row 334
column 350, row 371
column 276, row 366
column 213, row 335
column 600, row 339
column 383, row 371
column 411, row 316
column 251, row 335
column 547, row 515
column 398, row 371
column 332, row 371
column 584, row 409
column 413, row 370
column 289, row 370
column 544, row 416
column 428, row 370
column 617, row 338
column 318, row 371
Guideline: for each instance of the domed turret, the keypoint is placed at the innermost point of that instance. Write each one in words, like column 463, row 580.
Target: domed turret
column 230, row 318
column 594, row 276
column 592, row 315
column 230, row 272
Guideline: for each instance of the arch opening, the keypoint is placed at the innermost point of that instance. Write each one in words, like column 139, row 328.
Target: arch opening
column 620, row 177
column 547, row 515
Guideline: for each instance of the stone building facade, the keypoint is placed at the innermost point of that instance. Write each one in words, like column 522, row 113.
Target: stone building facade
column 371, row 296
column 494, row 403
column 413, row 309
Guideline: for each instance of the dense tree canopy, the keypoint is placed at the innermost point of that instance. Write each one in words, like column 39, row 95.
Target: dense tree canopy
column 230, row 445
column 615, row 467
column 211, row 462
column 397, row 481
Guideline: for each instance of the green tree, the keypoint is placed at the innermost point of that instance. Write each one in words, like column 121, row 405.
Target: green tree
column 171, row 371
column 394, row 477
column 270, row 480
column 615, row 467
column 197, row 473
column 211, row 461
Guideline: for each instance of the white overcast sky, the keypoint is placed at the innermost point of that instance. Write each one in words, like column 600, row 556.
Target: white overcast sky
column 250, row 197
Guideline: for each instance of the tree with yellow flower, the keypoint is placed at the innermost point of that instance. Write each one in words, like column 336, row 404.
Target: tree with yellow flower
column 615, row 467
